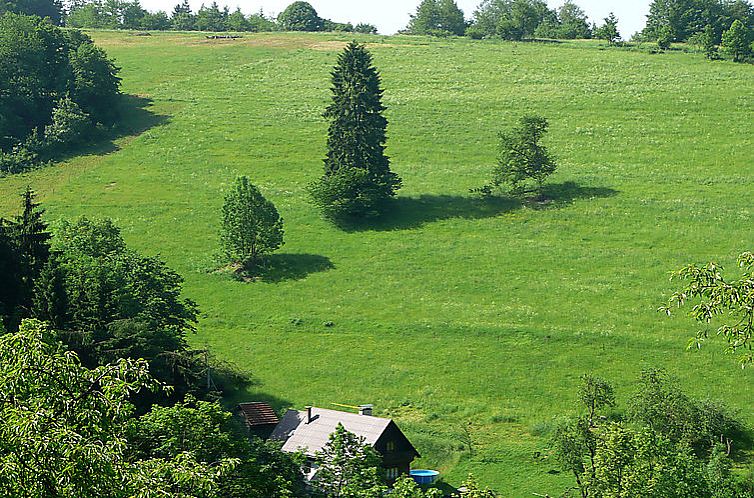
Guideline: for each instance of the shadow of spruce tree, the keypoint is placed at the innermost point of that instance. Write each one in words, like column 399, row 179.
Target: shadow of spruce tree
column 404, row 213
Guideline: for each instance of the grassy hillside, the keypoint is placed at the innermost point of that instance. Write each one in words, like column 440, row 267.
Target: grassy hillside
column 453, row 314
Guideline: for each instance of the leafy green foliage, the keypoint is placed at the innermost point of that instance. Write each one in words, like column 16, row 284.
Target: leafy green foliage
column 44, row 69
column 300, row 16
column 63, row 431
column 365, row 28
column 109, row 302
column 251, row 226
column 52, row 9
column 573, row 22
column 653, row 458
column 25, row 249
column 522, row 160
column 472, row 489
column 357, row 179
column 705, row 41
column 437, row 17
column 348, row 467
column 664, row 38
column 69, row 124
column 663, row 407
column 595, row 393
column 95, row 84
column 681, row 19
column 736, row 42
column 406, row 487
column 609, row 30
column 211, row 18
column 716, row 298
column 206, row 431
column 511, row 19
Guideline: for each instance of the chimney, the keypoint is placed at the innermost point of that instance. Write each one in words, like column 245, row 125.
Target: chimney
column 366, row 410
column 308, row 414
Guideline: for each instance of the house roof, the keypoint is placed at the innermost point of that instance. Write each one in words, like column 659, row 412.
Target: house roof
column 258, row 414
column 312, row 437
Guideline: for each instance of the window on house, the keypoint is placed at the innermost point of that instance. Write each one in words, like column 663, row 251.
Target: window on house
column 393, row 473
column 390, row 446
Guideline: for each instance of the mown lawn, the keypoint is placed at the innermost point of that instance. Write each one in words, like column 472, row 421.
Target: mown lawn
column 452, row 315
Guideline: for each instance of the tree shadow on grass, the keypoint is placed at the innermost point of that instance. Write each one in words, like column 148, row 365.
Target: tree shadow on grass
column 405, row 213
column 557, row 195
column 277, row 268
column 135, row 118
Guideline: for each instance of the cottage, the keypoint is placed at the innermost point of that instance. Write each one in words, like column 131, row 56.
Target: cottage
column 309, row 431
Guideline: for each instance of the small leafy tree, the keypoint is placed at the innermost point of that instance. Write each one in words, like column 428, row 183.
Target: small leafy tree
column 522, row 159
column 664, row 38
column 575, row 446
column 69, row 124
column 609, row 30
column 595, row 393
column 357, row 179
column 251, row 226
column 721, row 299
column 348, row 467
column 736, row 42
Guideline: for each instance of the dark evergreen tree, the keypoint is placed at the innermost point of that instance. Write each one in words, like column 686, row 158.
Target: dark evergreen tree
column 32, row 240
column 9, row 277
column 50, row 300
column 357, row 176
column 182, row 18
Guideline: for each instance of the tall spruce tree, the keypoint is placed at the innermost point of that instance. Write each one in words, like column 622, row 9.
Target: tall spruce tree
column 32, row 241
column 357, row 177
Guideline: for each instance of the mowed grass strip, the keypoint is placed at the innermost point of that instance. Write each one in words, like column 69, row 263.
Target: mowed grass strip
column 468, row 321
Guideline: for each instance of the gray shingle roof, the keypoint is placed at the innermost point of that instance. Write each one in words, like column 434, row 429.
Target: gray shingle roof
column 311, row 437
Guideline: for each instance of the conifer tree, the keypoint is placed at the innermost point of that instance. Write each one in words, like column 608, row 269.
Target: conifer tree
column 357, row 177
column 50, row 299
column 32, row 241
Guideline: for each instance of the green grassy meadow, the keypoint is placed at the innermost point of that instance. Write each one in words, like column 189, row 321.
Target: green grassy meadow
column 452, row 315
